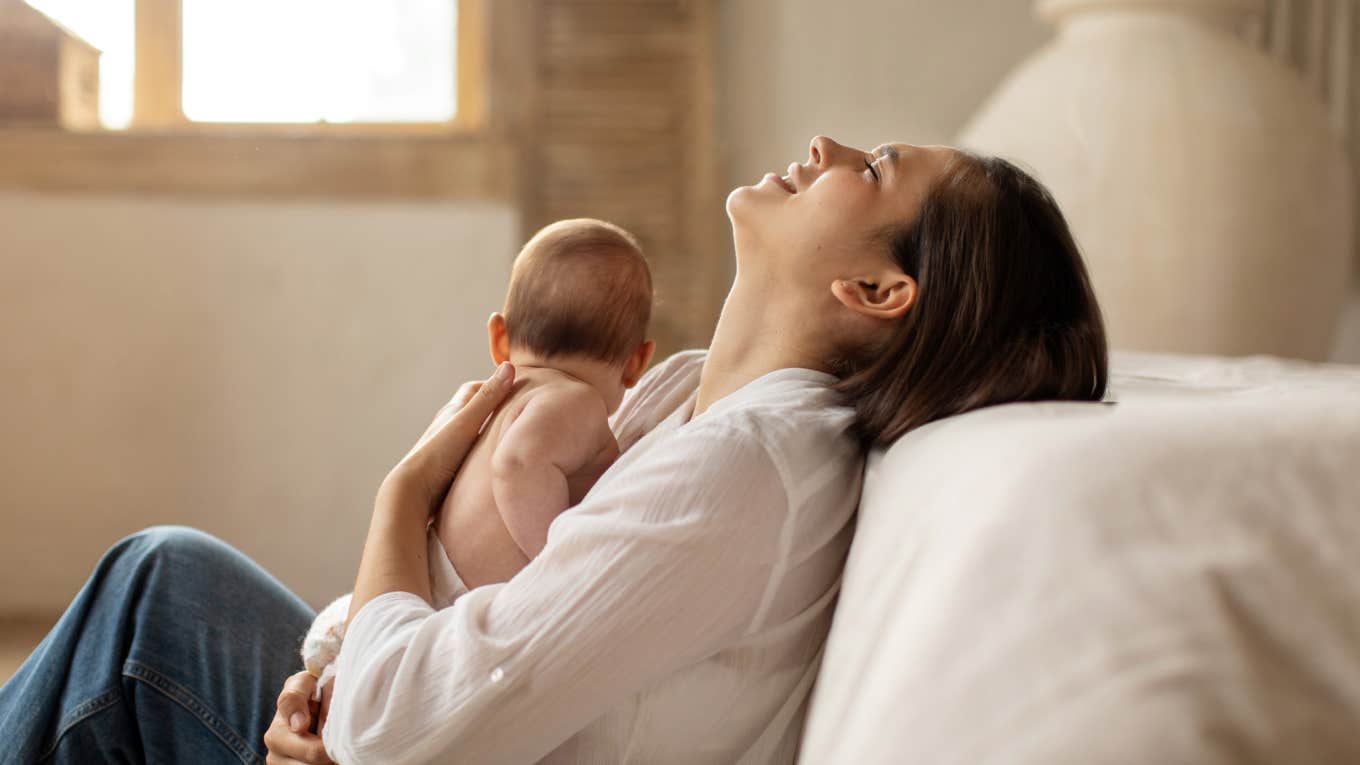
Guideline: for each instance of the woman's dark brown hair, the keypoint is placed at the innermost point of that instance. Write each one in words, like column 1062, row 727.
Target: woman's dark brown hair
column 1004, row 308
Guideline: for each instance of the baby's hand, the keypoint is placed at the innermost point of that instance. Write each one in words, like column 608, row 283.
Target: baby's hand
column 323, row 640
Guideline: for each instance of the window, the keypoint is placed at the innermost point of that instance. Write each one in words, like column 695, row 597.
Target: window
column 319, row 60
column 178, row 63
column 276, row 98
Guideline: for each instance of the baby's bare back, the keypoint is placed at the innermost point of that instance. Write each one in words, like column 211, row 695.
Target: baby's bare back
column 555, row 417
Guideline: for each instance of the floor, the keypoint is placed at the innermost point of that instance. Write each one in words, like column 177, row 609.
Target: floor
column 17, row 641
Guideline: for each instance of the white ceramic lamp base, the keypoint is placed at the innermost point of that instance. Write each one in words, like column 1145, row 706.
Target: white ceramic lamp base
column 1208, row 192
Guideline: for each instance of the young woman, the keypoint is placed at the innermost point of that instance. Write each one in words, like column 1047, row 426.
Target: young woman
column 679, row 612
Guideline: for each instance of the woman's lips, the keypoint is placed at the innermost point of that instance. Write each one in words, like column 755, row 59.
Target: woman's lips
column 783, row 183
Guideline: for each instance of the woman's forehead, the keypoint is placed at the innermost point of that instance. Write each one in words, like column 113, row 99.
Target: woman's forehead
column 913, row 160
column 899, row 148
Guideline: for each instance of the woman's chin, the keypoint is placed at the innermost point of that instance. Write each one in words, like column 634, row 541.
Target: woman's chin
column 736, row 200
column 740, row 201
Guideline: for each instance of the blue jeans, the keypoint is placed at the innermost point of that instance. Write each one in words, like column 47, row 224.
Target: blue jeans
column 174, row 651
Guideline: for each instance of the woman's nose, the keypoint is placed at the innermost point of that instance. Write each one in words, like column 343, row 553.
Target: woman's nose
column 825, row 151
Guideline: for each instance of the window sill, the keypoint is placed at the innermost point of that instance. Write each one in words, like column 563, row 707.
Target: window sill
column 397, row 164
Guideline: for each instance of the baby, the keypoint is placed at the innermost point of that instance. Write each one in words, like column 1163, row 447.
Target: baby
column 574, row 326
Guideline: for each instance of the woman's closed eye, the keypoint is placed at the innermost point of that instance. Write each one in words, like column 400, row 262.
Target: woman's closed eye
column 872, row 169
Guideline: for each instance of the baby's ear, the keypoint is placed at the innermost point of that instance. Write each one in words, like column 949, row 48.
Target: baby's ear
column 500, row 339
column 637, row 363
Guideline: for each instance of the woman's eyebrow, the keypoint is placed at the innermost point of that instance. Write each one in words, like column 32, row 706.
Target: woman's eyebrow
column 888, row 152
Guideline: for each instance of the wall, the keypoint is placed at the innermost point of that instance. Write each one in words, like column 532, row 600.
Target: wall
column 249, row 368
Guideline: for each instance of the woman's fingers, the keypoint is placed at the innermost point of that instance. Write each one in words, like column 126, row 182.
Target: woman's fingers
column 465, row 393
column 450, row 444
column 430, row 466
column 289, row 738
column 482, row 399
column 296, row 699
column 446, row 412
column 287, row 747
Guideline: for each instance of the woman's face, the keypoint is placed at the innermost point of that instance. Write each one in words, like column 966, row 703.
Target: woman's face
column 817, row 219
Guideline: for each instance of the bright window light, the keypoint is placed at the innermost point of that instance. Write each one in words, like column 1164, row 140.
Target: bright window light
column 107, row 25
column 319, row 60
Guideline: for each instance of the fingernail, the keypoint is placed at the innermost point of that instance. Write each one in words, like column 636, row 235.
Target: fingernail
column 298, row 721
column 504, row 371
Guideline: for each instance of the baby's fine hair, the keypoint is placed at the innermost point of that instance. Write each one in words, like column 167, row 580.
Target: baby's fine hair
column 580, row 287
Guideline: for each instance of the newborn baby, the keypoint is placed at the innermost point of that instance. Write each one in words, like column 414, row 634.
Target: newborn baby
column 574, row 326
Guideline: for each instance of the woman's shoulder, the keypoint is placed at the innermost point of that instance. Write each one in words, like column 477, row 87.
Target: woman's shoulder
column 676, row 367
column 663, row 388
column 800, row 420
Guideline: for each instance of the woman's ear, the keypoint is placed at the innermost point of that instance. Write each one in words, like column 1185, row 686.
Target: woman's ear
column 637, row 363
column 885, row 296
column 500, row 339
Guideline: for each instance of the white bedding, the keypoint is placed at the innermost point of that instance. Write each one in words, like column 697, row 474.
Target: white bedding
column 1171, row 578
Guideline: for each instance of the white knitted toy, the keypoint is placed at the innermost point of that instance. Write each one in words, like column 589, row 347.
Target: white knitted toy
column 323, row 640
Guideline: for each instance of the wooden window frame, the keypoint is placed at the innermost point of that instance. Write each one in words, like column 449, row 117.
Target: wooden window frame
column 162, row 152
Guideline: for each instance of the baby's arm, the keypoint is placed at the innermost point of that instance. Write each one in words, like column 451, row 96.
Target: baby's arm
column 557, row 434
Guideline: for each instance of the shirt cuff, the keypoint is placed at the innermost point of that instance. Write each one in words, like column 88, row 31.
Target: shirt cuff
column 377, row 615
column 366, row 632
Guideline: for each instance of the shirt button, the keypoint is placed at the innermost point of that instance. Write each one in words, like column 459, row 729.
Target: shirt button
column 497, row 674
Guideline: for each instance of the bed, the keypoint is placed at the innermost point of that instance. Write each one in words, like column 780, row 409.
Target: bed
column 1170, row 575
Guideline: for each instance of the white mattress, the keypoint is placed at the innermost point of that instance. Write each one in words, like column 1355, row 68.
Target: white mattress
column 1171, row 578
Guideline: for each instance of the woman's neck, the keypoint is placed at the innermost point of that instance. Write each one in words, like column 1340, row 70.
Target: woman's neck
column 754, row 337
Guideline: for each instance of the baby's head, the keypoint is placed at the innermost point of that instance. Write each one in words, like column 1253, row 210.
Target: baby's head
column 580, row 297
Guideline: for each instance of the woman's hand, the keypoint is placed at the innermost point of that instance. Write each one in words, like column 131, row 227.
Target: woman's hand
column 427, row 471
column 289, row 739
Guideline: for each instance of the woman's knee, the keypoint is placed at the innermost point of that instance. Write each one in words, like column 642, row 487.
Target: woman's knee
column 195, row 566
column 176, row 559
column 181, row 543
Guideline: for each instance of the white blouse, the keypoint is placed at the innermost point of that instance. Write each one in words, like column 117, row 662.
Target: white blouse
column 677, row 614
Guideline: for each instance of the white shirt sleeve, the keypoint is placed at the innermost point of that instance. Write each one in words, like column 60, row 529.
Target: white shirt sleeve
column 645, row 577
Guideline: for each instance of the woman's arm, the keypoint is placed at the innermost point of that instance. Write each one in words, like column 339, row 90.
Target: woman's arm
column 646, row 576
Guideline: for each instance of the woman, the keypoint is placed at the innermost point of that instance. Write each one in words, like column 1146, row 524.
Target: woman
column 678, row 613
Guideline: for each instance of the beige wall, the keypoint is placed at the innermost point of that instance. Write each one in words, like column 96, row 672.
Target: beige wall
column 1347, row 347
column 251, row 369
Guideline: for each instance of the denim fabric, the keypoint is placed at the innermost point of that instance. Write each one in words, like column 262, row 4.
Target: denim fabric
column 174, row 651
